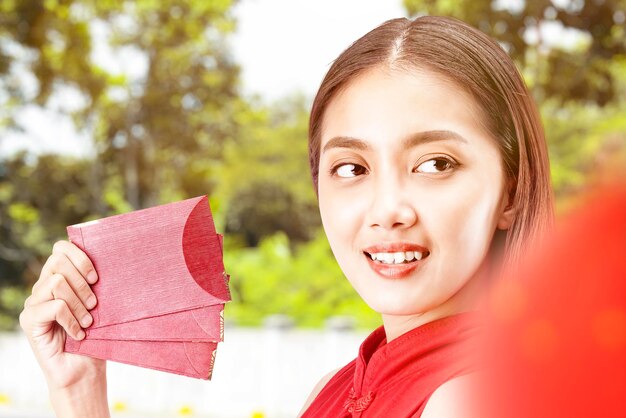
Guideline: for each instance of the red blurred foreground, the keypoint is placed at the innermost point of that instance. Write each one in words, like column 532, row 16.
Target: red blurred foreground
column 557, row 330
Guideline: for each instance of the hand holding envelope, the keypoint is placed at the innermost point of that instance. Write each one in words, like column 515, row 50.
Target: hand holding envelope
column 161, row 288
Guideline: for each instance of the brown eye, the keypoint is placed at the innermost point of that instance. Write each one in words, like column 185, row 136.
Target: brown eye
column 349, row 170
column 435, row 165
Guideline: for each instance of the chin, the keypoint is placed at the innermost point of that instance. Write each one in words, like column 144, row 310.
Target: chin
column 395, row 303
column 401, row 297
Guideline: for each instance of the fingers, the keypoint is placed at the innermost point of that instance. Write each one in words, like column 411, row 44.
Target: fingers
column 37, row 319
column 70, row 261
column 57, row 287
column 62, row 293
column 60, row 263
column 78, row 258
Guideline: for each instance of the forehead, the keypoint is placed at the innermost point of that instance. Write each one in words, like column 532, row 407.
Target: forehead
column 393, row 103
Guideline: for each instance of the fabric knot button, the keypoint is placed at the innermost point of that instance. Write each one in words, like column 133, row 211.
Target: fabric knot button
column 355, row 404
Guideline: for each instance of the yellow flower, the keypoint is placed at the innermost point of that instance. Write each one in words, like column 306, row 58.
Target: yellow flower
column 185, row 410
column 119, row 406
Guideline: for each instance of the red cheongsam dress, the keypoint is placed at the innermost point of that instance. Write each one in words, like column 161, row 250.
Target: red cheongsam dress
column 396, row 379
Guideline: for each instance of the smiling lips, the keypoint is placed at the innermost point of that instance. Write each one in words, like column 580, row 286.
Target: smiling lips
column 395, row 260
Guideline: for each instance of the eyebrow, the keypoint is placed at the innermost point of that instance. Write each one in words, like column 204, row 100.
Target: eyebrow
column 411, row 141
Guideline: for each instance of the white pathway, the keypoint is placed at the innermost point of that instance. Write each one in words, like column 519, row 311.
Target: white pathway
column 259, row 373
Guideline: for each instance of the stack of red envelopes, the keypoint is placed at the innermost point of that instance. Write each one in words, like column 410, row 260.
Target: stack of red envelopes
column 161, row 288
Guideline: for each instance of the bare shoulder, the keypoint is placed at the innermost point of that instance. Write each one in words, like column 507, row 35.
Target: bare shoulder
column 316, row 390
column 451, row 400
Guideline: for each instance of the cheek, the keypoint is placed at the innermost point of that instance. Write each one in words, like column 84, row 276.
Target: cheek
column 461, row 222
column 477, row 232
column 341, row 216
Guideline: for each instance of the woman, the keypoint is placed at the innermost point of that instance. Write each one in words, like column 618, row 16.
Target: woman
column 427, row 153
column 424, row 143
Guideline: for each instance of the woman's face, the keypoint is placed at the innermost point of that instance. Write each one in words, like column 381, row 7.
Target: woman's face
column 411, row 189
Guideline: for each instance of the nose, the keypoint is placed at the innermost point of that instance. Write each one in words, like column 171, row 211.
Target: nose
column 391, row 206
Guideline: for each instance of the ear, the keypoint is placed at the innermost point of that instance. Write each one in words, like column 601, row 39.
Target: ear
column 507, row 214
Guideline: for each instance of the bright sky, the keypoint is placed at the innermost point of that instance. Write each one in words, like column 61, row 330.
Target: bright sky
column 288, row 45
column 283, row 46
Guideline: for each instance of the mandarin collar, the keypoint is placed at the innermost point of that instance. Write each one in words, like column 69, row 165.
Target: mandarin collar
column 378, row 361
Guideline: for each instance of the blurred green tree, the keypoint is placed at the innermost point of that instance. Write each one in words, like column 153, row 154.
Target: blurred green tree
column 532, row 32
column 304, row 283
column 151, row 83
column 45, row 43
column 166, row 129
column 175, row 103
column 263, row 179
column 37, row 199
column 169, row 126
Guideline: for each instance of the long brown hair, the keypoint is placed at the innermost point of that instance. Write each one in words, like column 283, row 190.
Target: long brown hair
column 476, row 63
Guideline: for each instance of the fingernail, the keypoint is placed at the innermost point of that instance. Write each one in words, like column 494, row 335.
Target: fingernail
column 92, row 277
column 91, row 302
column 80, row 335
column 86, row 320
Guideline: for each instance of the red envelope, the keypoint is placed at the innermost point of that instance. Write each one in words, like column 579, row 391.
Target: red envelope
column 161, row 288
column 186, row 358
column 154, row 261
column 199, row 325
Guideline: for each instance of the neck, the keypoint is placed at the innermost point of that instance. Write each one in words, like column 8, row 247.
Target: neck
column 465, row 300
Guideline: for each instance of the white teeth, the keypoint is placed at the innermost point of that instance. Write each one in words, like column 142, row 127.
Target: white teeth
column 397, row 257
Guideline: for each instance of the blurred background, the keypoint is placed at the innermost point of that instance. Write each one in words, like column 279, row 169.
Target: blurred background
column 110, row 106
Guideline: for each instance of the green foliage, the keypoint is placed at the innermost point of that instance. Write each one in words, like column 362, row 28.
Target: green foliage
column 580, row 73
column 37, row 200
column 58, row 43
column 305, row 284
column 149, row 128
column 264, row 177
column 585, row 145
column 11, row 304
column 176, row 131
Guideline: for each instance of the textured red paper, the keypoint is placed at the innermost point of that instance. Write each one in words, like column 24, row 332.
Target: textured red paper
column 200, row 325
column 161, row 288
column 186, row 358
column 154, row 261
